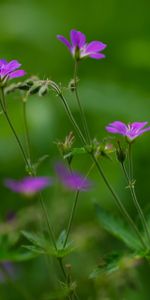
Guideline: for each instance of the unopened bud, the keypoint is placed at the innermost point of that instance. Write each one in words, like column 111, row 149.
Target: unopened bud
column 121, row 154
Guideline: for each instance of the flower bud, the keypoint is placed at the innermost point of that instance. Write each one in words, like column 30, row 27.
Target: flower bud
column 121, row 154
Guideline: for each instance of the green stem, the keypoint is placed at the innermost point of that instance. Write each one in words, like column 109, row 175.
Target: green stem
column 82, row 115
column 28, row 162
column 50, row 228
column 71, row 217
column 71, row 117
column 116, row 198
column 130, row 160
column 2, row 101
column 118, row 202
column 51, row 232
column 27, row 138
column 135, row 201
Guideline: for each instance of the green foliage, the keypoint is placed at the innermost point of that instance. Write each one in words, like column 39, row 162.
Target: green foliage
column 116, row 227
column 40, row 245
column 115, row 262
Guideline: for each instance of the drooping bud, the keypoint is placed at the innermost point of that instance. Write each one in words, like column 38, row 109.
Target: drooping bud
column 121, row 153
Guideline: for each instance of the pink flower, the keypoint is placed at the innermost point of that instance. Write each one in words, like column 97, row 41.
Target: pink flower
column 131, row 131
column 80, row 49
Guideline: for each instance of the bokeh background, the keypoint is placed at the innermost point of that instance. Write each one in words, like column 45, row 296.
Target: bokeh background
column 114, row 88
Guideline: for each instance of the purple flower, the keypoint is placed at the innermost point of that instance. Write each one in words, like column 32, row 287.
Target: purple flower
column 9, row 70
column 72, row 180
column 131, row 131
column 28, row 185
column 80, row 49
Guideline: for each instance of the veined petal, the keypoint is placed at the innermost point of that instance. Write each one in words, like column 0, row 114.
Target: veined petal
column 64, row 41
column 18, row 73
column 95, row 46
column 117, row 127
column 78, row 39
column 138, row 125
column 97, row 55
column 13, row 65
column 144, row 130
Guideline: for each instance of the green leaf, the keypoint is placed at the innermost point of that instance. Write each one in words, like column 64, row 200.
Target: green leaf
column 115, row 262
column 41, row 245
column 16, row 256
column 63, row 251
column 116, row 227
column 61, row 239
column 35, row 239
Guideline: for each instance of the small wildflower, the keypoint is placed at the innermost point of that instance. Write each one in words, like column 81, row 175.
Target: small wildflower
column 28, row 186
column 131, row 131
column 9, row 70
column 80, row 49
column 72, row 180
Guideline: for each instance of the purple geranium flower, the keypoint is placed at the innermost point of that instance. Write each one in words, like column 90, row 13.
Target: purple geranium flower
column 28, row 185
column 131, row 131
column 9, row 70
column 80, row 49
column 72, row 180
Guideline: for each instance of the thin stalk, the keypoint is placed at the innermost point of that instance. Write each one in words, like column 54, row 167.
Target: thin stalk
column 71, row 117
column 51, row 232
column 50, row 228
column 115, row 196
column 82, row 114
column 2, row 100
column 71, row 217
column 27, row 138
column 135, row 201
column 130, row 161
column 27, row 162
column 118, row 202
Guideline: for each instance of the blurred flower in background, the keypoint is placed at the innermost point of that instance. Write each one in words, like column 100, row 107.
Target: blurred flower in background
column 71, row 179
column 28, row 186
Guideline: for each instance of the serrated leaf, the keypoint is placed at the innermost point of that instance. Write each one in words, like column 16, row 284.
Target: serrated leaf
column 116, row 227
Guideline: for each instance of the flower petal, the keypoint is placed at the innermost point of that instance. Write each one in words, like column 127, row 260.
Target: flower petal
column 78, row 39
column 95, row 46
column 18, row 73
column 64, row 41
column 138, row 125
column 117, row 127
column 97, row 55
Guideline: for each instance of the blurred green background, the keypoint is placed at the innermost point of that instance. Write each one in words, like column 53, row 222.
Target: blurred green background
column 114, row 88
